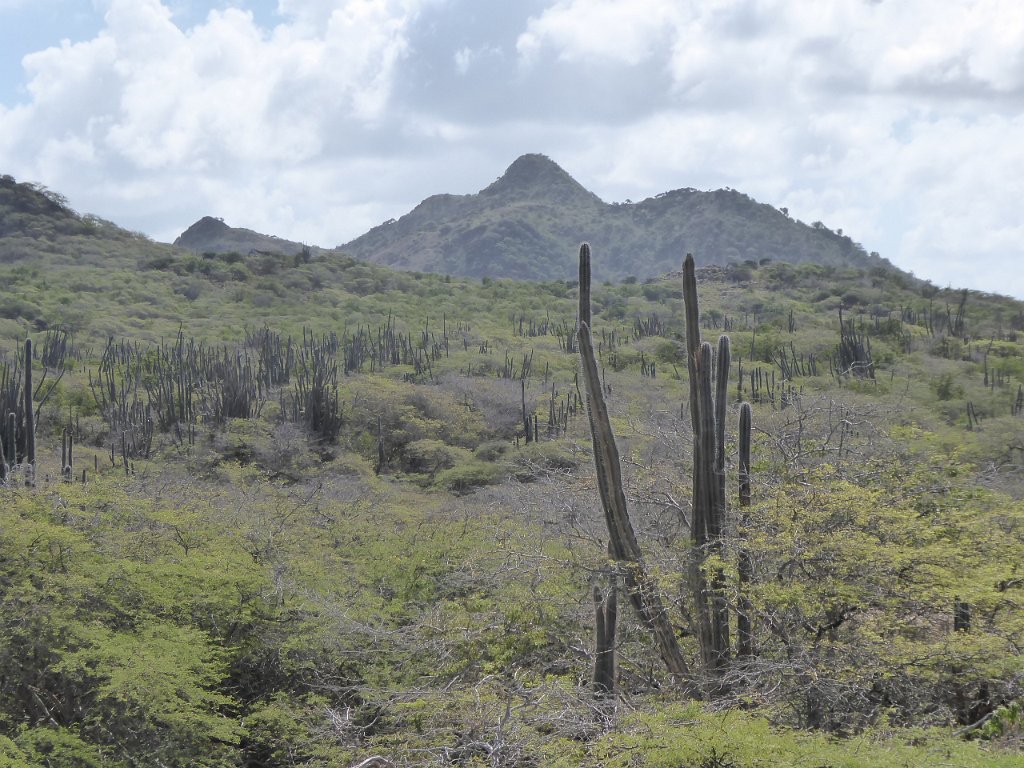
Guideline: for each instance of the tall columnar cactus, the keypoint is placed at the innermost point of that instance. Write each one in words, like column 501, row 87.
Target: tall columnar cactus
column 124, row 454
column 4, row 466
column 716, row 524
column 67, row 455
column 584, row 286
column 527, row 419
column 854, row 352
column 30, row 418
column 744, row 629
column 378, row 468
column 721, row 401
column 12, row 437
column 708, row 517
column 605, row 617
column 623, row 546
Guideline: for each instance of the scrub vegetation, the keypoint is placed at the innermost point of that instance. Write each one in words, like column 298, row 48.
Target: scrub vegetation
column 304, row 511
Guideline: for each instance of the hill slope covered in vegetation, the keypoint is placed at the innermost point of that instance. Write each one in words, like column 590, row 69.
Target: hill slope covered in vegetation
column 331, row 511
column 523, row 224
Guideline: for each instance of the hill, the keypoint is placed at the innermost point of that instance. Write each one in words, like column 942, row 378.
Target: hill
column 317, row 510
column 37, row 223
column 523, row 224
column 211, row 235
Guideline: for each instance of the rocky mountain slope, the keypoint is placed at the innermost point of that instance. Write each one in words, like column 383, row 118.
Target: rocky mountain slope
column 525, row 224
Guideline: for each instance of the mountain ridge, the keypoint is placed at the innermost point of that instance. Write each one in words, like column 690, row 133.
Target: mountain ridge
column 523, row 224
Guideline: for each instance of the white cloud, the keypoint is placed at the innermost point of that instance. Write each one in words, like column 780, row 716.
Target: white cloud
column 580, row 29
column 843, row 110
column 783, row 45
column 221, row 111
column 463, row 58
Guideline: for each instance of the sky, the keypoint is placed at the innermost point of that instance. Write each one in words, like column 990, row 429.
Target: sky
column 900, row 122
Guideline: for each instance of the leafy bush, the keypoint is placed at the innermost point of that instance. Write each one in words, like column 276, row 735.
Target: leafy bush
column 469, row 475
column 947, row 388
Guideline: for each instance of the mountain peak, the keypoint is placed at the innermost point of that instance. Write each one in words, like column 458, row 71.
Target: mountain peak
column 204, row 229
column 530, row 168
column 212, row 235
column 536, row 175
column 528, row 223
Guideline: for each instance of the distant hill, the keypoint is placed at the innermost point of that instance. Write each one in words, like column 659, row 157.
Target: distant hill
column 38, row 226
column 523, row 225
column 23, row 206
column 212, row 235
column 528, row 223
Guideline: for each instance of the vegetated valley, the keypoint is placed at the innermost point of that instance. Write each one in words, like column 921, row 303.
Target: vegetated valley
column 263, row 509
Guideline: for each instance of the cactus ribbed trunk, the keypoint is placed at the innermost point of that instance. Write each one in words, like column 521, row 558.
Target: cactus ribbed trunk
column 698, row 522
column 744, row 627
column 708, row 516
column 623, row 546
column 4, row 467
column 721, row 400
column 12, row 436
column 67, row 455
column 380, row 447
column 720, row 625
column 584, row 286
column 704, row 489
column 642, row 590
column 527, row 421
column 605, row 617
column 30, row 418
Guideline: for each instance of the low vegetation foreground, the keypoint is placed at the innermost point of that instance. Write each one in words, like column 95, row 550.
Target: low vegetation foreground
column 299, row 510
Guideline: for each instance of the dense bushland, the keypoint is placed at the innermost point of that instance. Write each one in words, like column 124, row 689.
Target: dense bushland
column 347, row 512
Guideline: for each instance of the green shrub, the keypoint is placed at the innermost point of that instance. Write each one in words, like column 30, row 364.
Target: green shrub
column 56, row 747
column 469, row 476
column 946, row 387
column 428, row 456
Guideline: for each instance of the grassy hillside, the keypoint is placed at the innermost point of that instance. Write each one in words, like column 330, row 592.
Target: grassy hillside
column 313, row 529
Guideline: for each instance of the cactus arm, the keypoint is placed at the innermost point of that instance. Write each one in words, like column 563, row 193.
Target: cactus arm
column 642, row 590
